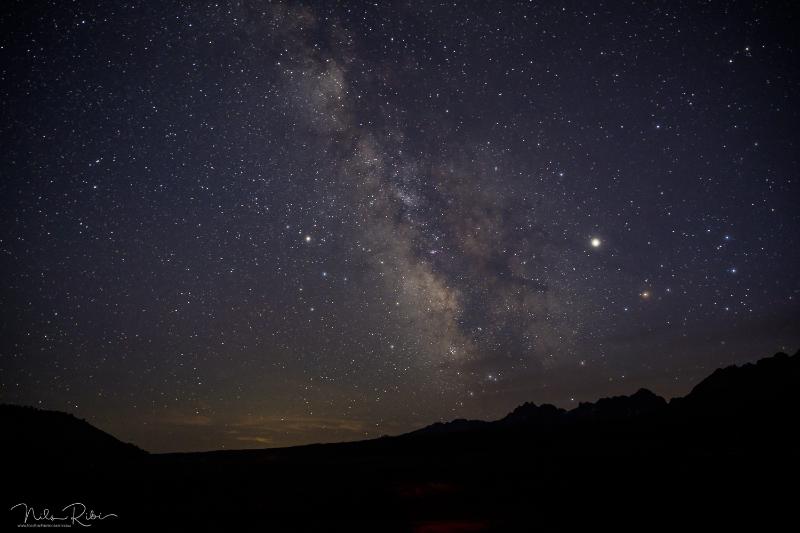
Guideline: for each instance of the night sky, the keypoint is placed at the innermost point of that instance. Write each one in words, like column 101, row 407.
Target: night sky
column 263, row 224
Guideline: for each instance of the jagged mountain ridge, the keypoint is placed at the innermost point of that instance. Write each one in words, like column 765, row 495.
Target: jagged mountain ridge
column 770, row 383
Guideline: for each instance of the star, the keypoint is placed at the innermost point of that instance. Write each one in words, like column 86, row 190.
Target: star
column 595, row 242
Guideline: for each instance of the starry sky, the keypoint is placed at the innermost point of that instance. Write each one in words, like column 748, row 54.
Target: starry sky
column 257, row 224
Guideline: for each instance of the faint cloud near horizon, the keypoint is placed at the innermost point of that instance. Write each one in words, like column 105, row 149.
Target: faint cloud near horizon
column 196, row 432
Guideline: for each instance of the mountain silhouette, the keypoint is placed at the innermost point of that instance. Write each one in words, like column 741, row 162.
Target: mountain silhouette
column 769, row 386
column 58, row 440
column 720, row 457
column 530, row 413
column 643, row 402
column 458, row 425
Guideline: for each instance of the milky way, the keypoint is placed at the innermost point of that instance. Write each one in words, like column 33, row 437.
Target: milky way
column 263, row 224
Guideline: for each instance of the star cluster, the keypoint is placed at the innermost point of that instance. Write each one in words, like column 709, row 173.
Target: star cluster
column 257, row 224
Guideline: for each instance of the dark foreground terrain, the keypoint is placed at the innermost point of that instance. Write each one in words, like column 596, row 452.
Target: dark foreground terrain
column 725, row 456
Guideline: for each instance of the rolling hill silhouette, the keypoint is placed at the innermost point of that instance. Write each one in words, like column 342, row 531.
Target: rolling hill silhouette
column 719, row 456
column 54, row 437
